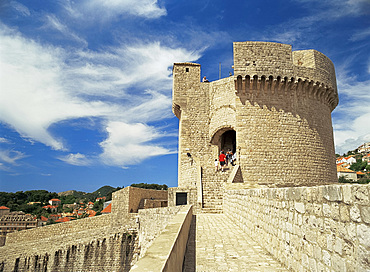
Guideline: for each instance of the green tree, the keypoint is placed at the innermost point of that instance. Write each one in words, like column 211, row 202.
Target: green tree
column 359, row 165
column 98, row 206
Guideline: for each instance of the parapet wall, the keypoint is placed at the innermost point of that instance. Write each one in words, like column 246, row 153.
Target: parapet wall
column 67, row 228
column 322, row 228
column 278, row 60
column 102, row 243
column 151, row 224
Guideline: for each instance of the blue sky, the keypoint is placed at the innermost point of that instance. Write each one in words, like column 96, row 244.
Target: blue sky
column 85, row 88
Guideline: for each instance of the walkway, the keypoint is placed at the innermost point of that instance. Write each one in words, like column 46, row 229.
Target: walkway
column 217, row 244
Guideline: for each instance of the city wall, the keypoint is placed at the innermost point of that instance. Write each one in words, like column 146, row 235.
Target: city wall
column 321, row 228
column 111, row 242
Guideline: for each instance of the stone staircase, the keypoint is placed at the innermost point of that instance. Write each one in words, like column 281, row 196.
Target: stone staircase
column 213, row 189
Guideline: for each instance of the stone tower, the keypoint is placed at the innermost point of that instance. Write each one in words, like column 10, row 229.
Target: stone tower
column 274, row 113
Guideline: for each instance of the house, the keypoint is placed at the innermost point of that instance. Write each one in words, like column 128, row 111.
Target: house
column 52, row 208
column 107, row 210
column 43, row 220
column 365, row 148
column 347, row 173
column 91, row 213
column 54, row 217
column 55, row 202
column 90, row 205
column 366, row 158
column 350, row 160
column 360, row 174
column 15, row 221
column 101, row 198
column 4, row 210
column 63, row 219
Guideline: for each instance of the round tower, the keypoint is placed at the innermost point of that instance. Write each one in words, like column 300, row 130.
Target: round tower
column 284, row 103
column 274, row 113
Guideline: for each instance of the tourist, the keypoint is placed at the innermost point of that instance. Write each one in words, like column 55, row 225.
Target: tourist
column 227, row 157
column 205, row 79
column 233, row 159
column 222, row 159
column 216, row 165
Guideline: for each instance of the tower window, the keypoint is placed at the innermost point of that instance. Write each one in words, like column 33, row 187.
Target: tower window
column 187, row 69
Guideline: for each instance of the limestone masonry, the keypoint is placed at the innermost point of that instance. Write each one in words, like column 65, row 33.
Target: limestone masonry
column 278, row 209
column 274, row 113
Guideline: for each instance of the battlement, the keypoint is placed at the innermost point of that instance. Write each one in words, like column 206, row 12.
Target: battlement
column 276, row 60
column 271, row 86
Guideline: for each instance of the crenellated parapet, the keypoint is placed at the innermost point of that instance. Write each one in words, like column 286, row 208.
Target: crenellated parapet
column 270, row 86
column 273, row 68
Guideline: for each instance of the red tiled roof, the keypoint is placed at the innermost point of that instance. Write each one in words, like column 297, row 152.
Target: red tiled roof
column 343, row 169
column 4, row 208
column 360, row 173
column 55, row 199
column 63, row 219
column 108, row 209
column 43, row 218
column 91, row 202
column 49, row 206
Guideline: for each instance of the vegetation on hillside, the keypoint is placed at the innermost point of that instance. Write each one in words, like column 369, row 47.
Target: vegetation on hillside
column 150, row 186
column 20, row 201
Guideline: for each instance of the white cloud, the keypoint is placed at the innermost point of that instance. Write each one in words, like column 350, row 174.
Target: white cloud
column 23, row 10
column 32, row 96
column 11, row 156
column 114, row 8
column 129, row 144
column 361, row 34
column 76, row 159
column 43, row 85
column 54, row 23
column 351, row 119
column 4, row 140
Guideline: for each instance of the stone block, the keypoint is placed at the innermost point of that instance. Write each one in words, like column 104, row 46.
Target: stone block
column 363, row 233
column 335, row 211
column 299, row 207
column 326, row 258
column 338, row 264
column 338, row 245
column 326, row 210
column 312, row 265
column 364, row 258
column 347, row 194
column 355, row 214
column 365, row 213
column 344, row 213
column 361, row 194
column 332, row 193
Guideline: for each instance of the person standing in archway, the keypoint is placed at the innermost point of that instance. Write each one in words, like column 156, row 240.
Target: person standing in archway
column 222, row 159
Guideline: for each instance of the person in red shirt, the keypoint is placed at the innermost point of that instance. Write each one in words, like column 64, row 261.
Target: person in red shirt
column 222, row 159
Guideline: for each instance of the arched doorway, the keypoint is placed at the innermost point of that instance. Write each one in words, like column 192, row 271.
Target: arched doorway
column 228, row 141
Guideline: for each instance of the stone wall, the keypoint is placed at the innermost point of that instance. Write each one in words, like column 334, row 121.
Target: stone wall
column 109, row 252
column 151, row 224
column 67, row 228
column 102, row 243
column 322, row 228
column 167, row 251
column 127, row 201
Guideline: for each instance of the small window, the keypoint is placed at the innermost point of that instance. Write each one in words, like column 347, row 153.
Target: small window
column 181, row 199
column 187, row 69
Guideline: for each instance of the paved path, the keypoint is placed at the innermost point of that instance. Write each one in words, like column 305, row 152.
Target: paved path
column 217, row 244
